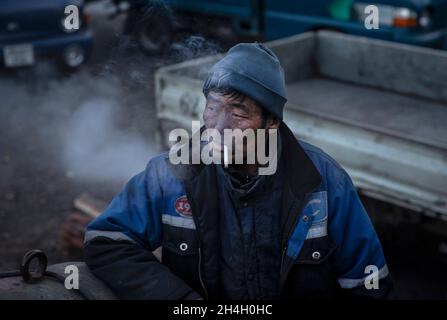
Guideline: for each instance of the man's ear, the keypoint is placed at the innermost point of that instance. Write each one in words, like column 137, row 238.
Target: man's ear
column 272, row 123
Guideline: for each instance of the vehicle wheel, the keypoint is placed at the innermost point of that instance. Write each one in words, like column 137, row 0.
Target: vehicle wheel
column 154, row 35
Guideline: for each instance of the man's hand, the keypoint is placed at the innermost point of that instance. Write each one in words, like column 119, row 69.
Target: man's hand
column 71, row 233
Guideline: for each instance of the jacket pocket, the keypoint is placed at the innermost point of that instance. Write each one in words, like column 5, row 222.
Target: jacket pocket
column 180, row 254
column 313, row 274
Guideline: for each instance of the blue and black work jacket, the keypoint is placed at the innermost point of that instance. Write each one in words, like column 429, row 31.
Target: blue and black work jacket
column 328, row 246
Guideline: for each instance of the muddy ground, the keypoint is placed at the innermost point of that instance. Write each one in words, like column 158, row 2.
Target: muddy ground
column 90, row 132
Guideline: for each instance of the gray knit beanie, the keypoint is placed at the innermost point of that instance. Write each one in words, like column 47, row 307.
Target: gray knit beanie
column 254, row 70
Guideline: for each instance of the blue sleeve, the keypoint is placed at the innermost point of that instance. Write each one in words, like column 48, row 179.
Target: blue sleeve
column 134, row 214
column 118, row 244
column 358, row 245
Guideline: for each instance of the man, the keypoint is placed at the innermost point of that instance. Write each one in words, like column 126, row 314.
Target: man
column 227, row 232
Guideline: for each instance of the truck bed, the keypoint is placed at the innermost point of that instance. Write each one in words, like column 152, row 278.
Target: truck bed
column 385, row 112
column 370, row 104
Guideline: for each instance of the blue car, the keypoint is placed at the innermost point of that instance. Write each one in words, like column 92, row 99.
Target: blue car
column 34, row 29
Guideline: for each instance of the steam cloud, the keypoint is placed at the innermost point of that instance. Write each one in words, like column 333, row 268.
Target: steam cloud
column 96, row 149
column 77, row 123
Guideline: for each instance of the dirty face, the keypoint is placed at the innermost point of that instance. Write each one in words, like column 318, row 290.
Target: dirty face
column 226, row 112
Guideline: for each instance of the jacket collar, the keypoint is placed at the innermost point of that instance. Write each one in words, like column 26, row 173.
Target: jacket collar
column 302, row 175
column 301, row 178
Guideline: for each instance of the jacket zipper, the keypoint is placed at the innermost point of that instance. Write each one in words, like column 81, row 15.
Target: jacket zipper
column 200, row 274
column 190, row 198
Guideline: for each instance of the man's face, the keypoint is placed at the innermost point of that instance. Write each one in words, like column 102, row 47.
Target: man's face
column 222, row 112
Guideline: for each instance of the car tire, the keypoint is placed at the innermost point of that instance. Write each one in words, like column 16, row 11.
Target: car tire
column 154, row 35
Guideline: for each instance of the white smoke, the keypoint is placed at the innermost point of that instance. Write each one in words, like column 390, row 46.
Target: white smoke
column 79, row 123
column 95, row 148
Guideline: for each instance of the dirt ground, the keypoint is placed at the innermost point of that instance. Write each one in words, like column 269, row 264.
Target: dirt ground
column 90, row 132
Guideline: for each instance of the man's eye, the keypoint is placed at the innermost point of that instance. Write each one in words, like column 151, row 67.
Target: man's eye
column 238, row 116
column 210, row 108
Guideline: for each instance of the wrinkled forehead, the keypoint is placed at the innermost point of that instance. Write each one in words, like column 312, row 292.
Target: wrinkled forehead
column 242, row 102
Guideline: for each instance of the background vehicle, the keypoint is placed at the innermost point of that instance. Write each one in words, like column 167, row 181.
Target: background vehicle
column 34, row 29
column 155, row 23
